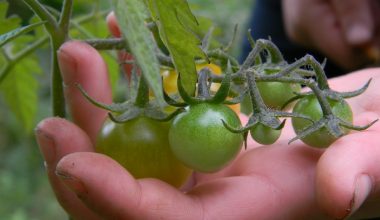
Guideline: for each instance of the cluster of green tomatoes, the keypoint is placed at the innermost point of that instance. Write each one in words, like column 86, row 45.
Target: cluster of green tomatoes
column 204, row 134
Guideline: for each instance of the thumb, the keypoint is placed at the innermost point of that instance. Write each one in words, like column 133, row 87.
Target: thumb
column 348, row 174
column 110, row 191
column 356, row 20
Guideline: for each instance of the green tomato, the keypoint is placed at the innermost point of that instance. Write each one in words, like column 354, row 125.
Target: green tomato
column 309, row 106
column 200, row 140
column 276, row 94
column 264, row 135
column 142, row 147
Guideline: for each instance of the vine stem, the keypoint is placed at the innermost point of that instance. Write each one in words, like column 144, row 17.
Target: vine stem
column 58, row 31
column 64, row 20
column 120, row 44
column 58, row 100
column 43, row 14
column 322, row 99
column 142, row 98
column 256, row 99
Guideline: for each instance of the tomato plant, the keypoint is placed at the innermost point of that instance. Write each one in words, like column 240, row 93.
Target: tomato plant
column 309, row 106
column 264, row 135
column 200, row 140
column 276, row 94
column 207, row 136
column 142, row 147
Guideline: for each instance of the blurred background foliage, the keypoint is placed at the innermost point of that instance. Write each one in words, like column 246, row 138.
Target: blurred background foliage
column 25, row 193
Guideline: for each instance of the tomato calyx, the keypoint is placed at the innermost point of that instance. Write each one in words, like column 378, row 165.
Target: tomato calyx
column 141, row 105
column 261, row 114
column 316, row 80
column 204, row 91
column 335, row 125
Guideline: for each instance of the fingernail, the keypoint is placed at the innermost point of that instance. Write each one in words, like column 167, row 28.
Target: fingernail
column 67, row 65
column 47, row 146
column 112, row 25
column 72, row 183
column 358, row 34
column 363, row 187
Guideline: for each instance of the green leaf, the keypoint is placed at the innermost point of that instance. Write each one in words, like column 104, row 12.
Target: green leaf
column 177, row 26
column 91, row 25
column 38, row 32
column 5, row 38
column 131, row 16
column 20, row 90
column 10, row 23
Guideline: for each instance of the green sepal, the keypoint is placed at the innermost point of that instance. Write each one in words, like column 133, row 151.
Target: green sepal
column 236, row 100
column 114, row 107
column 172, row 102
column 251, row 122
column 224, row 89
column 160, row 116
column 184, row 95
column 129, row 114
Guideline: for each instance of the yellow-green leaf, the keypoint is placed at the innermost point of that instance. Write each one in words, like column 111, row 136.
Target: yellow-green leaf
column 20, row 90
column 131, row 16
column 177, row 26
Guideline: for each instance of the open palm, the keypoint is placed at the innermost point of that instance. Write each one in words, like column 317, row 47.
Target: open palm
column 272, row 182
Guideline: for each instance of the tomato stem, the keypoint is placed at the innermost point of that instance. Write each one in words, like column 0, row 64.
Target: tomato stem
column 58, row 31
column 256, row 99
column 64, row 20
column 203, row 83
column 142, row 98
column 322, row 99
column 319, row 73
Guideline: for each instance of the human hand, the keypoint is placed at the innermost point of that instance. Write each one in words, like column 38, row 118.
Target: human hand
column 347, row 32
column 272, row 182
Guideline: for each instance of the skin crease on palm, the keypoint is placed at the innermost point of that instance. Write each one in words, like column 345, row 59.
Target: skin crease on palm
column 280, row 181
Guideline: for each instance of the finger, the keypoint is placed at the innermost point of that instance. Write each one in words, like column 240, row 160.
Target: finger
column 56, row 138
column 106, row 187
column 355, row 80
column 324, row 33
column 287, row 172
column 226, row 171
column 266, row 178
column 236, row 197
column 112, row 24
column 356, row 20
column 348, row 173
column 82, row 64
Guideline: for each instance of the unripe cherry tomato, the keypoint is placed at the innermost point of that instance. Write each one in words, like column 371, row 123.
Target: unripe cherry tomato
column 276, row 94
column 142, row 147
column 199, row 139
column 264, row 135
column 309, row 106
